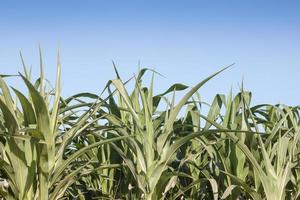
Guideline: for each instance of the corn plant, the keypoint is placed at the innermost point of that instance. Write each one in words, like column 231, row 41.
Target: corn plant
column 153, row 148
column 34, row 142
column 271, row 162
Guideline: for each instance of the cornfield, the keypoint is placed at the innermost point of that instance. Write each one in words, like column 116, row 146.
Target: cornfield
column 129, row 143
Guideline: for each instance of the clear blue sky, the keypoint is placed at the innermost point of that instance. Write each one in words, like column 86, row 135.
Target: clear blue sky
column 184, row 40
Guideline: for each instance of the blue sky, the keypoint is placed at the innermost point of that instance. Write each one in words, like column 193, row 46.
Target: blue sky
column 184, row 40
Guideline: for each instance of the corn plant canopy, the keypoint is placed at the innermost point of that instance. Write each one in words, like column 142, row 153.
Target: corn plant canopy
column 130, row 143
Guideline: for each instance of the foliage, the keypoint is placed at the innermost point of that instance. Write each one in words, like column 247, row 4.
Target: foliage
column 132, row 144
